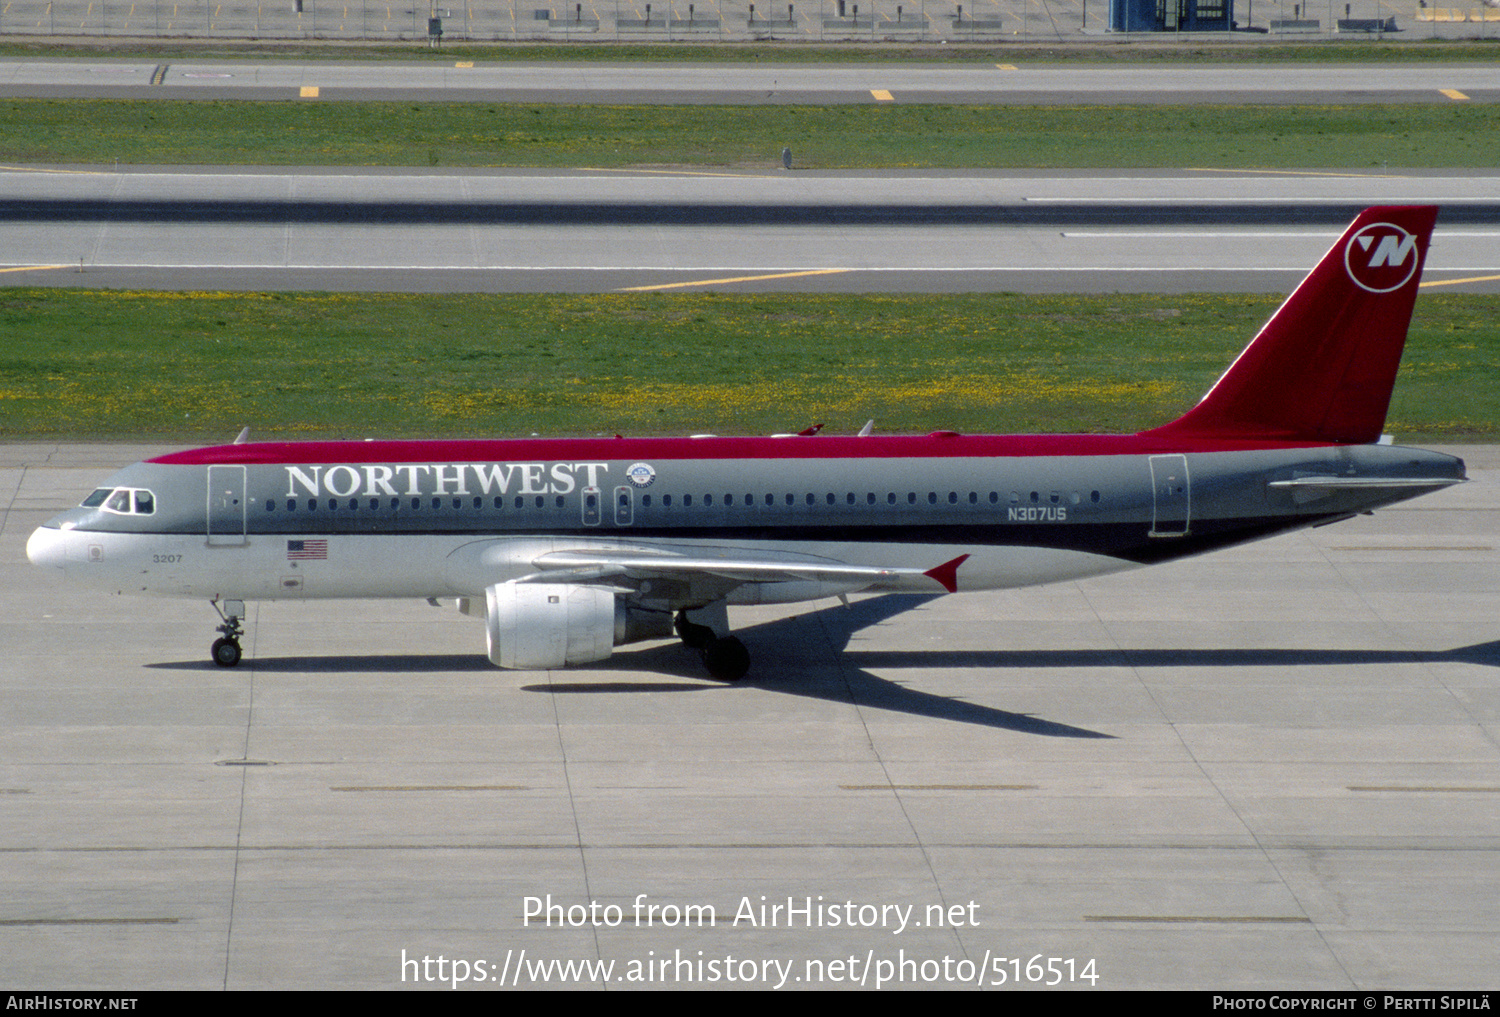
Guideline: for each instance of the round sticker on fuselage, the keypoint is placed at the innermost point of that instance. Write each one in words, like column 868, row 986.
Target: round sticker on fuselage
column 1381, row 258
column 640, row 474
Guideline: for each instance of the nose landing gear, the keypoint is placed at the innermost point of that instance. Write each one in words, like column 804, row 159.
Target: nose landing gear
column 226, row 651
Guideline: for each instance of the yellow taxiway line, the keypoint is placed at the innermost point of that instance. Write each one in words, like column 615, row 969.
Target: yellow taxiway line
column 735, row 279
column 1455, row 282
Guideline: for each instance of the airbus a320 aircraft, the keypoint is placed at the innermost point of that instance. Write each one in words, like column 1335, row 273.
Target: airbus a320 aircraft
column 570, row 547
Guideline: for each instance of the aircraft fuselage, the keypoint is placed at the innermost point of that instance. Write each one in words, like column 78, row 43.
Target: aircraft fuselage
column 435, row 519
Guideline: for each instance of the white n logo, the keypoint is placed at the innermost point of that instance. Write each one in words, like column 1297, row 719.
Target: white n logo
column 1382, row 257
column 1392, row 250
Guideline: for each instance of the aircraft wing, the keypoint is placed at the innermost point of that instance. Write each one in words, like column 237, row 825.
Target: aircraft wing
column 631, row 570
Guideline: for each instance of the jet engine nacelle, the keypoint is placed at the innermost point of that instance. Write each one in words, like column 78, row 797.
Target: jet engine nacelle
column 537, row 626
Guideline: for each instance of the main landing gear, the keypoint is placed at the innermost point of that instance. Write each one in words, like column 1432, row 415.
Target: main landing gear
column 226, row 651
column 725, row 657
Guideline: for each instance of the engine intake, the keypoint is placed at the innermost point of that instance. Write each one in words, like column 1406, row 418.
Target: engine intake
column 537, row 626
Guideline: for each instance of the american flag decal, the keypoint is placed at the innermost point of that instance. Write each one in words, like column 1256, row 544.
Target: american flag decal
column 306, row 550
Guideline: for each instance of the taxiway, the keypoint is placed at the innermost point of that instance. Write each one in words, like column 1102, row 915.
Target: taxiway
column 1271, row 768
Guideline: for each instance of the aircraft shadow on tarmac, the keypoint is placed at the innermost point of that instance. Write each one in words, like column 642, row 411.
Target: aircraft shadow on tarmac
column 804, row 656
column 807, row 655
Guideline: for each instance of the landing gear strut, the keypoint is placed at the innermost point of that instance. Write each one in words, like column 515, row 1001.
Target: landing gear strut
column 725, row 657
column 225, row 651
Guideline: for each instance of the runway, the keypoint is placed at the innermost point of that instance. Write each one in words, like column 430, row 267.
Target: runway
column 1271, row 768
column 462, row 80
column 594, row 231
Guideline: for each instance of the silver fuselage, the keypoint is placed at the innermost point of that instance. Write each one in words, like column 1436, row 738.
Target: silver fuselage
column 413, row 519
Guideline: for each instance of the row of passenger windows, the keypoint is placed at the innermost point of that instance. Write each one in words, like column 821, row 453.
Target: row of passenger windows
column 891, row 498
column 417, row 504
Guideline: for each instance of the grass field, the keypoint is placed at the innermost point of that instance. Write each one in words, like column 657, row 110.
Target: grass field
column 484, row 134
column 197, row 367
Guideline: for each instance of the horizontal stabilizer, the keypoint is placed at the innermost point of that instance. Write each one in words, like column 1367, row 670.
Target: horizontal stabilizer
column 1365, row 483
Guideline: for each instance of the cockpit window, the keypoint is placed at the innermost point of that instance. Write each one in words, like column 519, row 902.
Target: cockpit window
column 124, row 501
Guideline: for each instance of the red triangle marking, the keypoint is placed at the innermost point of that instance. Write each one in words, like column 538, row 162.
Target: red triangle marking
column 946, row 574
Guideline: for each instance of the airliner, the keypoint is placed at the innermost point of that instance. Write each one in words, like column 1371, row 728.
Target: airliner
column 569, row 547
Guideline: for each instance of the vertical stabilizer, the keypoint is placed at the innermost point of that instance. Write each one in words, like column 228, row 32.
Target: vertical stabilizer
column 1323, row 367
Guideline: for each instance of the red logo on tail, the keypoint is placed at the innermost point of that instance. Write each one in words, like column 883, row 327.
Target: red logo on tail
column 1381, row 258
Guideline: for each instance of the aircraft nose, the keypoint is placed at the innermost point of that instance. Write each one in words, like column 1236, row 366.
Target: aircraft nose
column 47, row 546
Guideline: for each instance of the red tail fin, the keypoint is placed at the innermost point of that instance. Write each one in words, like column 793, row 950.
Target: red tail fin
column 1323, row 367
